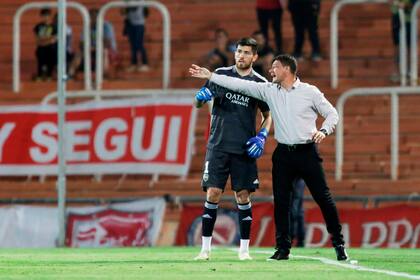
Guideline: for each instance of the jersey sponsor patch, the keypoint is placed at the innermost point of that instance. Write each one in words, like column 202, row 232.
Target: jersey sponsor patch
column 237, row 99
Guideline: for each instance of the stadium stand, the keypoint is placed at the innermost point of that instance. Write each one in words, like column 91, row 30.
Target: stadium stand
column 366, row 55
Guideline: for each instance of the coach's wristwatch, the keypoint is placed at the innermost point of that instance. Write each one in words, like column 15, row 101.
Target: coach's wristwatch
column 324, row 131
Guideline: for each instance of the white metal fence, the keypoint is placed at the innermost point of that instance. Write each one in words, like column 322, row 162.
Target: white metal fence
column 166, row 37
column 334, row 39
column 339, row 143
column 16, row 38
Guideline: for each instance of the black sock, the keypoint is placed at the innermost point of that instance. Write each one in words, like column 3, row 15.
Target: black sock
column 245, row 219
column 209, row 218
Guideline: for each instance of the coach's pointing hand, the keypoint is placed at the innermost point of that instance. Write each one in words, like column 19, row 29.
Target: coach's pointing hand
column 199, row 72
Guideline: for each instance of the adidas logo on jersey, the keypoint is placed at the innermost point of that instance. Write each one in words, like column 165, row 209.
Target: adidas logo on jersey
column 248, row 218
column 256, row 182
column 206, row 216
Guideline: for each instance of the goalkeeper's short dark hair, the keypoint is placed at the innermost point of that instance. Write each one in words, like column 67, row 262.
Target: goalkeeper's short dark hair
column 250, row 42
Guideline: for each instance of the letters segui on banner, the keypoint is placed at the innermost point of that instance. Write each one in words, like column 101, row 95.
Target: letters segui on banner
column 147, row 135
column 386, row 227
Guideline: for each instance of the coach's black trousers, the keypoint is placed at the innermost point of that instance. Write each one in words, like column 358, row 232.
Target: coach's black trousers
column 290, row 162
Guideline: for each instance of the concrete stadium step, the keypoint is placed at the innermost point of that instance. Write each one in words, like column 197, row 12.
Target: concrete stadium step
column 192, row 187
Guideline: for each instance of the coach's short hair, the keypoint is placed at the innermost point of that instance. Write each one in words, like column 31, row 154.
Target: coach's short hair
column 250, row 42
column 287, row 60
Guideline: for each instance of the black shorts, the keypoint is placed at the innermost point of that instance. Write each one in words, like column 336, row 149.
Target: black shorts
column 219, row 165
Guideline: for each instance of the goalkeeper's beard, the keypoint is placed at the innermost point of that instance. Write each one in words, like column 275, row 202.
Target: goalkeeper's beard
column 243, row 66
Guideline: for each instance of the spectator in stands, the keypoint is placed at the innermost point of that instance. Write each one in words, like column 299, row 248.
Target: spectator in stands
column 297, row 214
column 223, row 52
column 265, row 55
column 46, row 45
column 112, row 60
column 271, row 10
column 407, row 6
column 305, row 15
column 110, row 55
column 134, row 29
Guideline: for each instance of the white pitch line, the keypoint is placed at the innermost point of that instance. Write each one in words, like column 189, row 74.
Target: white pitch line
column 350, row 266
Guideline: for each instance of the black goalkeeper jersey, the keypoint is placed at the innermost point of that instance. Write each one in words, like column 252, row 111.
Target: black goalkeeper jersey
column 233, row 115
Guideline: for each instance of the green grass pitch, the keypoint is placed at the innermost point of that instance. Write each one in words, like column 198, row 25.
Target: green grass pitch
column 178, row 263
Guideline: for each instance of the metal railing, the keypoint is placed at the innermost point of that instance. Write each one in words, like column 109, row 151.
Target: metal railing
column 166, row 37
column 61, row 118
column 402, row 48
column 413, row 48
column 394, row 92
column 414, row 197
column 118, row 93
column 334, row 36
column 16, row 38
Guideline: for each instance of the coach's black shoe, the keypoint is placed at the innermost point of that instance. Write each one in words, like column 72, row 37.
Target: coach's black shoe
column 341, row 253
column 280, row 254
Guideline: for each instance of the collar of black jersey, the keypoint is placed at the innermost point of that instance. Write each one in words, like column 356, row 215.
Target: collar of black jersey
column 251, row 74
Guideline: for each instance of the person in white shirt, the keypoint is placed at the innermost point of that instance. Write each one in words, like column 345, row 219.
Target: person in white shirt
column 294, row 106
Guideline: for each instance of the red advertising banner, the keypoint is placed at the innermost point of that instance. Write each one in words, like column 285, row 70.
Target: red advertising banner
column 108, row 228
column 147, row 135
column 392, row 227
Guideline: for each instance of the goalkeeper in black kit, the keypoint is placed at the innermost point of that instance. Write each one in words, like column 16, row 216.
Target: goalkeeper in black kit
column 233, row 146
